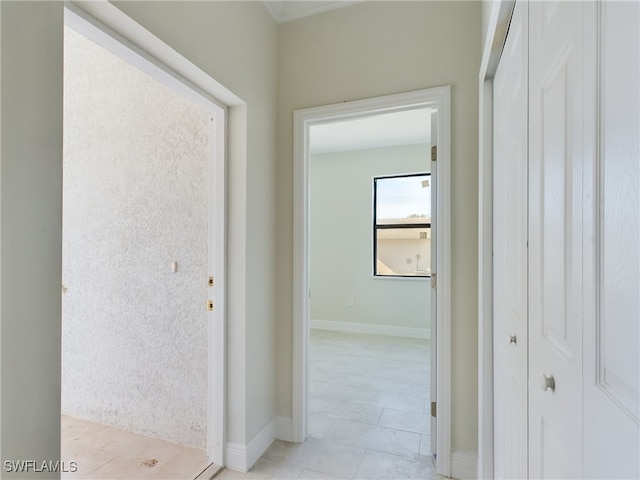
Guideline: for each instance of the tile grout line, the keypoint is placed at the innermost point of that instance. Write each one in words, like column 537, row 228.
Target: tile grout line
column 386, row 427
column 381, row 413
column 364, row 452
column 103, row 465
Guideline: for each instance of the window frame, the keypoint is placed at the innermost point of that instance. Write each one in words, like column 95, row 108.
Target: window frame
column 389, row 226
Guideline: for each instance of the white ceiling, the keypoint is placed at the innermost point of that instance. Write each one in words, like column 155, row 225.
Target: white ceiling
column 287, row 10
column 383, row 130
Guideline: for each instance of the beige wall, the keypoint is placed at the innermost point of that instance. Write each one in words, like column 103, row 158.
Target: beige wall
column 487, row 8
column 31, row 210
column 380, row 48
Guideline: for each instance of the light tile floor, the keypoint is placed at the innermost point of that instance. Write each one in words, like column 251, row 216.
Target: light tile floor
column 368, row 413
column 102, row 452
column 368, row 419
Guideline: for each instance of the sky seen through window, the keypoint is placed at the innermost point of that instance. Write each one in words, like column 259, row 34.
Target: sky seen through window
column 403, row 197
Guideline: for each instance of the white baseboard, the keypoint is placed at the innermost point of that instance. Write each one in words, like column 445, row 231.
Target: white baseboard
column 371, row 329
column 241, row 458
column 235, row 457
column 464, row 465
column 284, row 429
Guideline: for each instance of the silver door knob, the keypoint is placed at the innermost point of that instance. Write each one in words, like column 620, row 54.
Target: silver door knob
column 512, row 339
column 547, row 383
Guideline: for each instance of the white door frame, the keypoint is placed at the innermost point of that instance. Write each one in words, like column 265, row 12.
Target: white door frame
column 107, row 26
column 439, row 97
column 496, row 37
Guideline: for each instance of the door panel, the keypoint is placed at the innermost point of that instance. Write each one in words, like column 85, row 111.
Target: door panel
column 557, row 219
column 618, row 215
column 612, row 260
column 556, row 111
column 510, row 252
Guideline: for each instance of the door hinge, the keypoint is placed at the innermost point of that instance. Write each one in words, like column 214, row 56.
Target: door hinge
column 434, row 280
column 434, row 153
column 211, row 281
column 210, row 305
column 433, row 409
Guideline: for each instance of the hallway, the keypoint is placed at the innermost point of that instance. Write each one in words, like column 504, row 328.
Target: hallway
column 368, row 413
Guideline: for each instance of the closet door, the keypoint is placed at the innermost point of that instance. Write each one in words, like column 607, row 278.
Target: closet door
column 612, row 254
column 561, row 66
column 510, row 252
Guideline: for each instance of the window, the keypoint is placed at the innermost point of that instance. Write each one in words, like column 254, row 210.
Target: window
column 402, row 225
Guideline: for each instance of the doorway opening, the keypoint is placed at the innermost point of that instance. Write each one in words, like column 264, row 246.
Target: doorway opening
column 369, row 308
column 143, row 256
column 320, row 290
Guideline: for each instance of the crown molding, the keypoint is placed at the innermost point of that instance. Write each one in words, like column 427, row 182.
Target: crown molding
column 288, row 10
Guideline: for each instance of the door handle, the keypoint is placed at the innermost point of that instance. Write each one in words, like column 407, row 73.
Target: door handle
column 547, row 383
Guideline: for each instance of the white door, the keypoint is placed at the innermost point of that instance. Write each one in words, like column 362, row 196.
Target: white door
column 434, row 268
column 612, row 254
column 510, row 252
column 584, row 241
column 559, row 63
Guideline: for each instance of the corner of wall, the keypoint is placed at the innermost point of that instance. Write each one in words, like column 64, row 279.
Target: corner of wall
column 464, row 464
column 241, row 458
column 284, row 429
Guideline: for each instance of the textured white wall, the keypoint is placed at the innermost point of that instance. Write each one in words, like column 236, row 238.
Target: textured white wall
column 341, row 240
column 135, row 200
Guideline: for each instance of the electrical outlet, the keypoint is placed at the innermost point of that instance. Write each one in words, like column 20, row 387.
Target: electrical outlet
column 349, row 302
